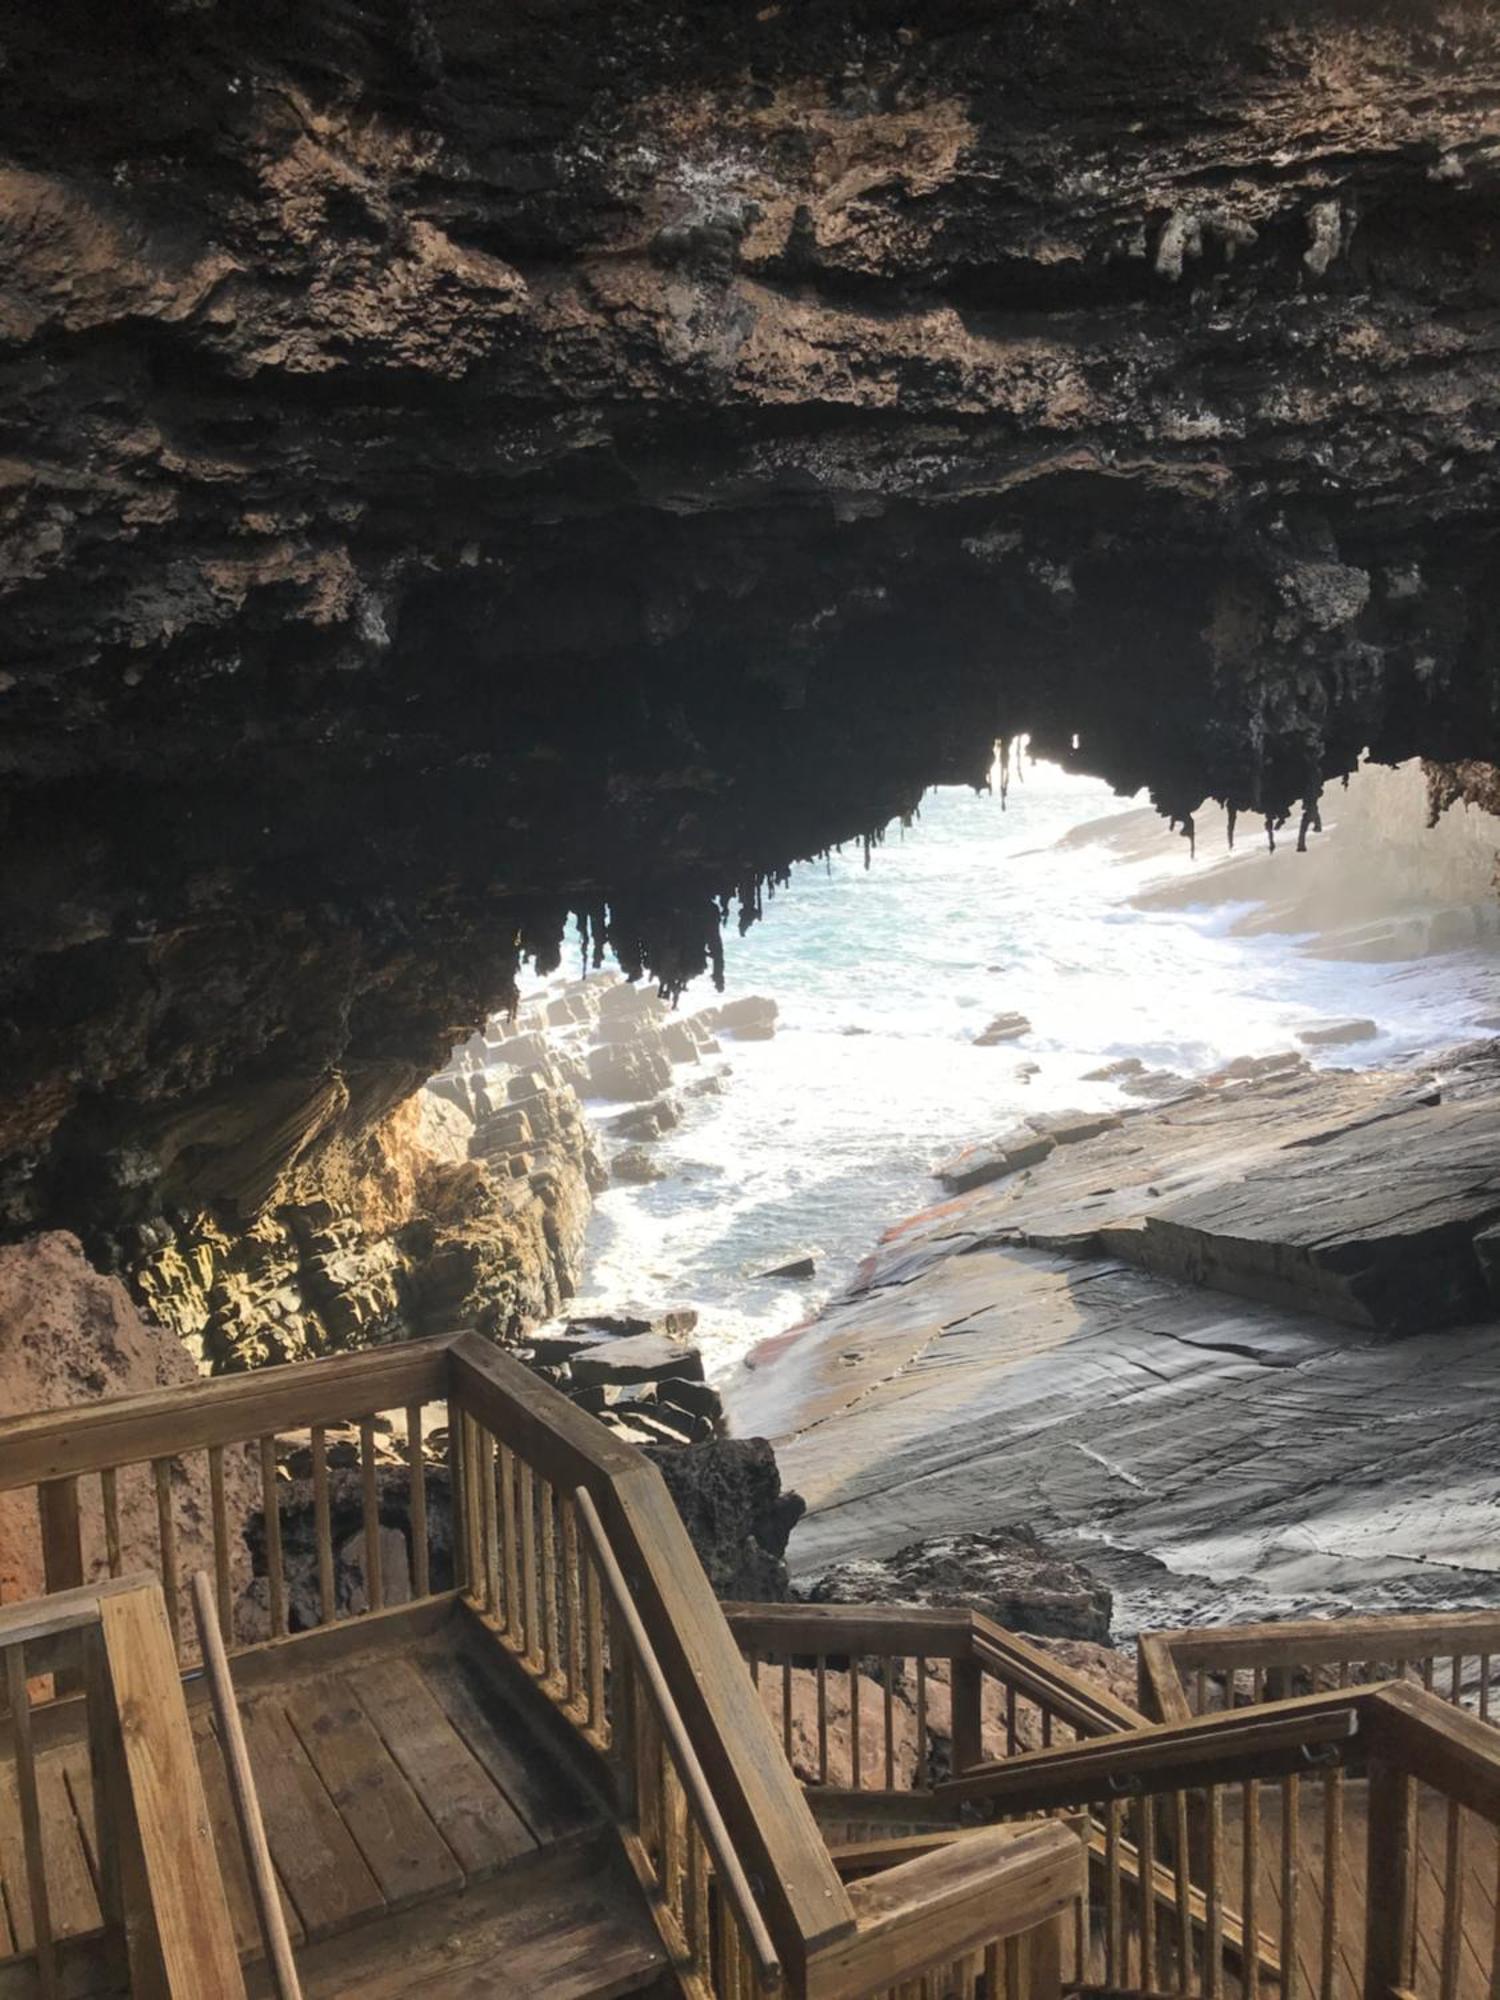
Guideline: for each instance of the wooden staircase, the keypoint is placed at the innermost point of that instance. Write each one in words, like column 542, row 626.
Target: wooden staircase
column 565, row 1770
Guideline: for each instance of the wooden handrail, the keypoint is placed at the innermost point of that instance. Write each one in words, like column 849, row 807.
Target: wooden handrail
column 900, row 1630
column 1438, row 1744
column 263, row 1884
column 989, row 1884
column 732, row 1879
column 1090, row 1709
column 165, row 1423
column 1165, row 1657
column 772, row 1827
column 1209, row 1750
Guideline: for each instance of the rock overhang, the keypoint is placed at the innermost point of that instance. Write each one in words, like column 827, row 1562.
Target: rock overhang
column 467, row 471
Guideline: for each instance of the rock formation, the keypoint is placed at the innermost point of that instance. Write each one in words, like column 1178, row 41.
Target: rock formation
column 464, row 467
column 69, row 1336
column 466, row 1206
column 1007, row 1574
column 1183, row 1351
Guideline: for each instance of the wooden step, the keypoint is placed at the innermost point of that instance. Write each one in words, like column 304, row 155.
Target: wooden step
column 569, row 1923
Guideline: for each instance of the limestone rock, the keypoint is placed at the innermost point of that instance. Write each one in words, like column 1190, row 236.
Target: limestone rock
column 646, row 1121
column 1338, row 1034
column 752, row 1019
column 626, row 1072
column 1003, row 1028
column 640, row 1357
column 803, row 1265
column 634, row 1167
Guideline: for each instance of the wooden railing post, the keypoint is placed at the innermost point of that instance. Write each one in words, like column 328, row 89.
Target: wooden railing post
column 62, row 1550
column 183, row 1938
column 967, row 1689
column 1390, row 1878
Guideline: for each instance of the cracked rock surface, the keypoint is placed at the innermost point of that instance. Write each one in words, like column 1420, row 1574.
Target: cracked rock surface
column 464, row 466
column 1159, row 1351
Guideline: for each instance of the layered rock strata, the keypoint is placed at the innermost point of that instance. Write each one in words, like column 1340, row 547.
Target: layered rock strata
column 467, row 1206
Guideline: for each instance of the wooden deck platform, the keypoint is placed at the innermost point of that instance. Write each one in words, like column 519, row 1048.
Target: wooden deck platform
column 432, row 1831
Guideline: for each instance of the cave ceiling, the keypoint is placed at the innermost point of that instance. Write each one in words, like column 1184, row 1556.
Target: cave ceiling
column 468, row 464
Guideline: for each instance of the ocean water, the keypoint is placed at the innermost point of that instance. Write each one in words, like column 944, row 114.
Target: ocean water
column 827, row 1134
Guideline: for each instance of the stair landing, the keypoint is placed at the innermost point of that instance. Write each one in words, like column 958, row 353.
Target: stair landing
column 434, row 1832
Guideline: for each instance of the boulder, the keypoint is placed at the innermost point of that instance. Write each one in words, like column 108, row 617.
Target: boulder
column 804, row 1265
column 976, row 1165
column 1004, row 1028
column 626, row 1072
column 646, row 1121
column 680, row 1042
column 1246, row 1067
column 728, row 1492
column 1114, row 1072
column 675, row 1322
column 634, row 1167
column 752, row 1019
column 1009, row 1574
column 640, row 1357
column 1337, row 1034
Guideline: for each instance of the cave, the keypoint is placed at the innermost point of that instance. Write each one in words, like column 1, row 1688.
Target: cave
column 464, row 472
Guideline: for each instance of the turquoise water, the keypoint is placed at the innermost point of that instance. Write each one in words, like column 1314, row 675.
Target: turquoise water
column 828, row 1134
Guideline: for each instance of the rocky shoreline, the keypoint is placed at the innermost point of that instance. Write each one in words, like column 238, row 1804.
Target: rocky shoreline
column 1235, row 1352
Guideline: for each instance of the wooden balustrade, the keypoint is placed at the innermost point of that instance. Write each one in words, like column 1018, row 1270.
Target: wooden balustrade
column 1200, row 1672
column 163, row 1918
column 871, row 1700
column 126, row 1480
column 713, row 1923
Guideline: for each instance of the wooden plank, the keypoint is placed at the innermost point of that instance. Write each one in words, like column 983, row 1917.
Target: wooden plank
column 482, row 1828
column 33, row 1917
column 226, row 1410
column 1388, row 1878
column 996, row 1882
column 575, row 1926
column 70, row 1879
column 323, row 1525
column 543, row 1796
column 61, row 1532
column 196, row 1937
column 1444, row 1746
column 402, row 1848
column 421, row 1581
column 227, row 1843
column 271, row 1662
column 370, row 1507
column 324, row 1872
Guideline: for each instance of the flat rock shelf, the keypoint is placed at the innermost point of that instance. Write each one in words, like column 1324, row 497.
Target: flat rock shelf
column 1232, row 1354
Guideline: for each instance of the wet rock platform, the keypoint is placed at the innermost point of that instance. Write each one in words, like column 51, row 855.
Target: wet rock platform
column 1241, row 1355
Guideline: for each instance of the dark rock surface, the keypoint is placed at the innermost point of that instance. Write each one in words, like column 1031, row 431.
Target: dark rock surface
column 1054, row 1351
column 1008, row 1574
column 730, row 1496
column 464, row 467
